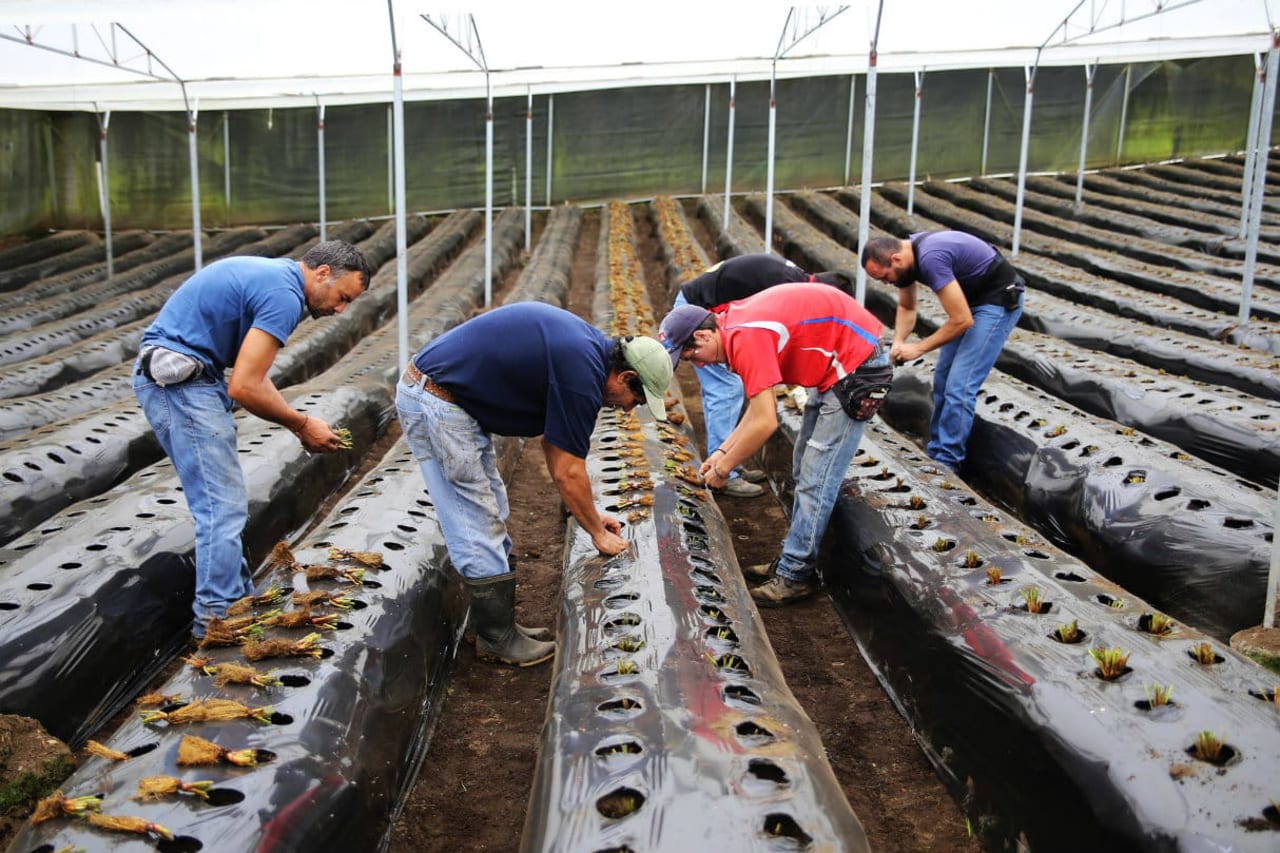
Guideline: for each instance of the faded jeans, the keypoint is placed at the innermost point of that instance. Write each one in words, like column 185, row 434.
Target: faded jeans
column 193, row 422
column 823, row 452
column 460, row 468
column 721, row 400
column 962, row 367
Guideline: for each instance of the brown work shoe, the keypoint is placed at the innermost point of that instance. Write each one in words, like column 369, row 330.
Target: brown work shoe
column 752, row 475
column 760, row 571
column 779, row 591
column 740, row 488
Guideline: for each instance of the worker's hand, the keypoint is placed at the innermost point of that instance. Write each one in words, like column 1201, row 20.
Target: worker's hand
column 318, row 437
column 609, row 542
column 710, row 477
column 902, row 352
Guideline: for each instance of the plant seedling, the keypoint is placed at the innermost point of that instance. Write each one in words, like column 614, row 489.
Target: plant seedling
column 1208, row 747
column 1056, row 431
column 56, row 805
column 1204, row 653
column 103, row 751
column 1158, row 694
column 344, row 438
column 1068, row 632
column 125, row 823
column 1159, row 624
column 627, row 667
column 940, row 544
column 1111, row 662
column 995, row 575
column 916, row 502
column 972, row 559
column 1034, row 597
column 159, row 787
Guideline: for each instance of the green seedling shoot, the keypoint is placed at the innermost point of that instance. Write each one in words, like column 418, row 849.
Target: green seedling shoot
column 1068, row 632
column 1204, row 653
column 1159, row 624
column 1158, row 694
column 995, row 575
column 344, row 438
column 1208, row 746
column 1034, row 598
column 1111, row 662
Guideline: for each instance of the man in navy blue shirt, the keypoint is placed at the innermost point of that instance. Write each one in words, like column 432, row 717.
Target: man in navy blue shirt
column 982, row 295
column 520, row 370
column 237, row 313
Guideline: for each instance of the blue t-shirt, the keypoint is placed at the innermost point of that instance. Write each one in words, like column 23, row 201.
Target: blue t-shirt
column 946, row 256
column 210, row 314
column 524, row 369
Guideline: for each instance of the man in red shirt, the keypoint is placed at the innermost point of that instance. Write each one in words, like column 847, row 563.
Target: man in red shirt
column 796, row 334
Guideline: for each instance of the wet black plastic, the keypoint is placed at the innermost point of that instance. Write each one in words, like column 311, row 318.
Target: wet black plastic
column 1190, row 537
column 1043, row 751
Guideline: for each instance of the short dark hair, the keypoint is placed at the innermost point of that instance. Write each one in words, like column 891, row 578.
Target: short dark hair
column 339, row 255
column 838, row 280
column 618, row 363
column 881, row 250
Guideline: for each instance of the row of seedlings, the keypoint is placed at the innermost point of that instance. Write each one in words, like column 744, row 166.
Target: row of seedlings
column 303, row 718
column 139, row 538
column 669, row 724
column 1188, row 536
column 1066, row 713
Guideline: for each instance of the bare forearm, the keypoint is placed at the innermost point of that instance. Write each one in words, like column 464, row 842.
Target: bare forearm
column 265, row 400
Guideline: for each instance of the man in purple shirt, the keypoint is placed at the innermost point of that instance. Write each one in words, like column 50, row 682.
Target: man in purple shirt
column 982, row 295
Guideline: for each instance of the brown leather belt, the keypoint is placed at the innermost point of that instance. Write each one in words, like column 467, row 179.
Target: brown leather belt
column 414, row 376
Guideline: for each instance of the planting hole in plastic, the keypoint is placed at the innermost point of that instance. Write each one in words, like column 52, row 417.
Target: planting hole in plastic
column 780, row 825
column 767, row 771
column 753, row 733
column 1071, row 577
column 735, row 693
column 624, row 707
column 620, row 802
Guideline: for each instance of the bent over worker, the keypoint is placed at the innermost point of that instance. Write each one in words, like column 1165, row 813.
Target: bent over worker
column 520, row 370
column 236, row 312
column 798, row 334
column 982, row 294
column 729, row 280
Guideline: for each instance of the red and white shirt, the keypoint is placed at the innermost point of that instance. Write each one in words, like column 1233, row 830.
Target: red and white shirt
column 799, row 334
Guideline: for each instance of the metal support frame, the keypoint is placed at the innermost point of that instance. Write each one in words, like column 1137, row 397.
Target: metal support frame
column 1250, row 156
column 528, row 169
column 1124, row 114
column 397, row 135
column 226, row 164
column 1090, row 72
column 848, row 138
column 868, row 147
column 986, row 121
column 104, row 189
column 551, row 114
column 728, row 162
column 794, row 28
column 320, row 167
column 915, row 142
column 706, row 134
column 1262, row 145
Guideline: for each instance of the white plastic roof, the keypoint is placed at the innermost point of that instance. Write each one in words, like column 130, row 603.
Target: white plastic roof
column 276, row 53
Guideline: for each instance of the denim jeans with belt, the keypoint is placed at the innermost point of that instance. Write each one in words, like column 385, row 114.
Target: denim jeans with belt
column 460, row 468
column 962, row 367
column 823, row 452
column 193, row 422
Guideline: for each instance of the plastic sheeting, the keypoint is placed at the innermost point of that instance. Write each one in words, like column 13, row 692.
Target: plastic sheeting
column 1044, row 752
column 1187, row 536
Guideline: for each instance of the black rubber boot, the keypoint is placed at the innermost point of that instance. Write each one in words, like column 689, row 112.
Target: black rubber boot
column 545, row 635
column 493, row 611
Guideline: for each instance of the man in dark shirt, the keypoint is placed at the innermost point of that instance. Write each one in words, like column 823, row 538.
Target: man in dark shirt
column 728, row 281
column 982, row 295
column 522, row 370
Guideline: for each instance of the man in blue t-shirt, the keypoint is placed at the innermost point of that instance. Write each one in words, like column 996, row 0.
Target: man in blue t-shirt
column 728, row 281
column 237, row 312
column 520, row 370
column 982, row 295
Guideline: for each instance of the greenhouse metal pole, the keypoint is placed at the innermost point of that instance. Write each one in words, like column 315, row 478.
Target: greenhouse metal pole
column 528, row 167
column 551, row 113
column 768, row 182
column 226, row 163
column 1124, row 112
column 868, row 143
column 915, row 143
column 1273, row 575
column 195, row 185
column 1089, row 72
column 1030, row 72
column 488, row 191
column 706, row 134
column 848, row 137
column 391, row 159
column 728, row 155
column 320, row 165
column 1250, row 148
column 104, row 190
column 53, row 167
column 1259, row 179
column 986, row 121
column 402, row 260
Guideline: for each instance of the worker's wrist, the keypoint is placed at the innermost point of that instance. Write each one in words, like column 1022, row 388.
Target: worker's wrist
column 300, row 427
column 718, row 473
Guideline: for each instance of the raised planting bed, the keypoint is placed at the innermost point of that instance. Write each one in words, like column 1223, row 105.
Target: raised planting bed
column 986, row 636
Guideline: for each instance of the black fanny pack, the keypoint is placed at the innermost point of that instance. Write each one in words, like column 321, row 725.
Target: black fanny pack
column 863, row 392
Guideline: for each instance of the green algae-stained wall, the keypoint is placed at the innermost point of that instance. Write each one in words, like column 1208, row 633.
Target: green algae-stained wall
column 631, row 142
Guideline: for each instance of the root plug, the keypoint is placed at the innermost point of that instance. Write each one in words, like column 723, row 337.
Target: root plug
column 95, row 748
column 196, row 752
column 159, row 787
column 278, row 648
column 57, row 805
column 124, row 823
column 372, row 559
column 210, row 710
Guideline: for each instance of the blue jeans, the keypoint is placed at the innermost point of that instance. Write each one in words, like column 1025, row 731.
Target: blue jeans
column 461, row 472
column 721, row 400
column 193, row 422
column 963, row 365
column 824, row 451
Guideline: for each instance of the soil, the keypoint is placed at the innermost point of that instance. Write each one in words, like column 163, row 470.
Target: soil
column 473, row 793
column 479, row 771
